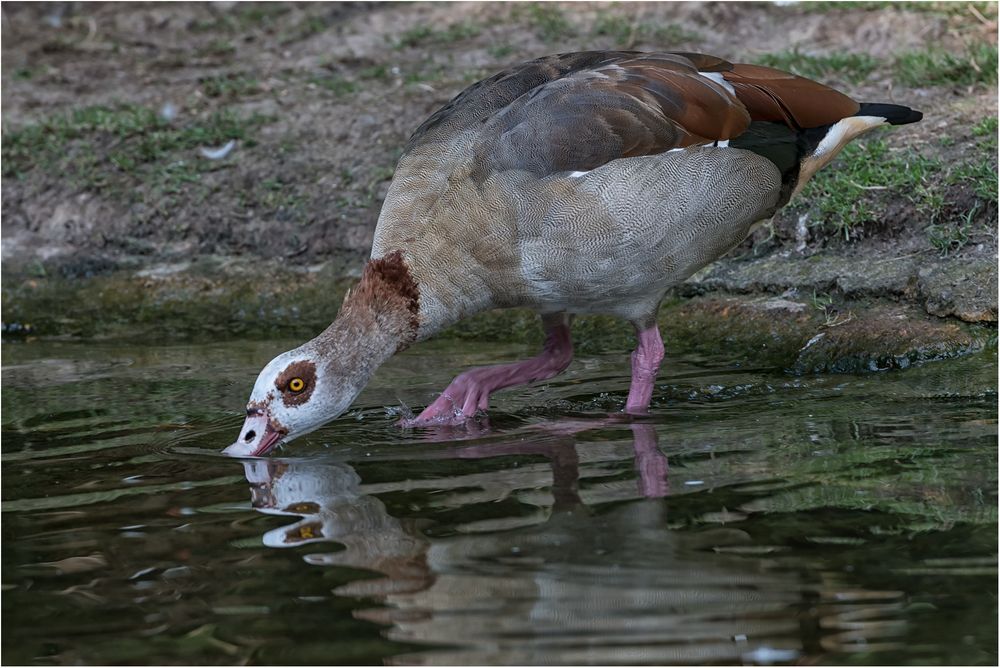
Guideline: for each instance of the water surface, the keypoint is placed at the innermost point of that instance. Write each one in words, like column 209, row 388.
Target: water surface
column 754, row 518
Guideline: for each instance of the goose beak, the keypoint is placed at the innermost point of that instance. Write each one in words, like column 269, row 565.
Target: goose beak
column 258, row 437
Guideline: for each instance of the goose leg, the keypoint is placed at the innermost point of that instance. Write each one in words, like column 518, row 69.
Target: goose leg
column 470, row 391
column 646, row 360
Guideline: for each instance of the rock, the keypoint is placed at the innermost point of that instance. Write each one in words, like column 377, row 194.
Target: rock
column 768, row 331
column 967, row 290
column 882, row 338
column 853, row 337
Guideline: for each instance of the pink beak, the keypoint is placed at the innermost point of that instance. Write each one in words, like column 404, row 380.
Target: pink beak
column 258, row 436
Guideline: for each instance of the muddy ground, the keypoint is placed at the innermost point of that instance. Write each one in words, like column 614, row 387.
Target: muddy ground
column 113, row 216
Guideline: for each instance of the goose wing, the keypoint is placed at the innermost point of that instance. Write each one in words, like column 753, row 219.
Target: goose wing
column 577, row 111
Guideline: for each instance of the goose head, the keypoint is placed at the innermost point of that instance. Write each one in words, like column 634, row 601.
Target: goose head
column 302, row 389
column 297, row 392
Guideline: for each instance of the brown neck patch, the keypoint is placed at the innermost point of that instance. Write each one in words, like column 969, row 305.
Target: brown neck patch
column 387, row 288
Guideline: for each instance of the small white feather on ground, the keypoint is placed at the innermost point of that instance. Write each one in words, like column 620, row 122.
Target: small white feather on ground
column 218, row 153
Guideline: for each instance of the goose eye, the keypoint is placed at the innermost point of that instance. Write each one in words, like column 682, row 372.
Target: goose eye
column 296, row 385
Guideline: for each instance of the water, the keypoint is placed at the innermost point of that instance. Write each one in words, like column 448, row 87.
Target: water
column 755, row 518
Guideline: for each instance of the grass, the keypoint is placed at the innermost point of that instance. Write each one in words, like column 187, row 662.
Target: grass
column 274, row 197
column 867, row 176
column 375, row 73
column 987, row 9
column 548, row 21
column 951, row 236
column 979, row 169
column 98, row 147
column 671, row 33
column 258, row 13
column 626, row 33
column 230, row 86
column 218, row 47
column 24, row 73
column 854, row 67
column 501, row 51
column 980, row 175
column 341, row 85
column 307, row 27
column 986, row 128
column 336, row 84
column 842, row 193
column 832, row 316
column 619, row 28
column 425, row 35
column 424, row 71
column 244, row 16
column 976, row 67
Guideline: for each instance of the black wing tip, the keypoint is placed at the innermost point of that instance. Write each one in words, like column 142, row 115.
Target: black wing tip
column 895, row 114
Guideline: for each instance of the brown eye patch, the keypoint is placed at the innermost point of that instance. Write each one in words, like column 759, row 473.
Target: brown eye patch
column 296, row 382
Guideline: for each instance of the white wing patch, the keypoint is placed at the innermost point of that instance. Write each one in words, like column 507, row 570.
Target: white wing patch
column 835, row 139
column 717, row 78
column 844, row 131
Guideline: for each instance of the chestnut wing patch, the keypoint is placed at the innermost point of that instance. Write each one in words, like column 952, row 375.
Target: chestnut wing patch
column 304, row 370
column 633, row 105
column 799, row 103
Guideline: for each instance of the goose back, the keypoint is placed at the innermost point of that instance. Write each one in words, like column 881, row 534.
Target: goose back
column 536, row 157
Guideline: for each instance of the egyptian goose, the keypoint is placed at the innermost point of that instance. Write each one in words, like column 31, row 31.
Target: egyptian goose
column 586, row 182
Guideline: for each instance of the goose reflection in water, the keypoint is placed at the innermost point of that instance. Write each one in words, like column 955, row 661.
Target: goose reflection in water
column 591, row 577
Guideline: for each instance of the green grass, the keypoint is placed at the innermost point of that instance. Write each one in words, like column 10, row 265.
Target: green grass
column 986, row 128
column 218, row 47
column 341, row 85
column 230, row 86
column 425, row 71
column 979, row 168
column 258, row 13
column 670, row 34
column 845, row 196
column 336, row 84
column 100, row 147
column 987, row 9
column 547, row 20
column 619, row 28
column 307, row 27
column 274, row 197
column 976, row 67
column 951, row 236
column 868, row 177
column 853, row 67
column 980, row 174
column 244, row 16
column 625, row 33
column 501, row 51
column 425, row 35
column 375, row 73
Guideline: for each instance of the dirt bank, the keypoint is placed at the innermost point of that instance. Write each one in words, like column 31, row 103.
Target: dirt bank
column 108, row 109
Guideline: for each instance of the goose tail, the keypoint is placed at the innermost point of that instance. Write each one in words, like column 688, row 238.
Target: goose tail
column 895, row 114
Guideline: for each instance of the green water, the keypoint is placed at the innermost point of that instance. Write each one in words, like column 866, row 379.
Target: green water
column 754, row 518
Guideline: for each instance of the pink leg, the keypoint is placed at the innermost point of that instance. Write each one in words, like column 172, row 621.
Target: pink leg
column 645, row 364
column 470, row 391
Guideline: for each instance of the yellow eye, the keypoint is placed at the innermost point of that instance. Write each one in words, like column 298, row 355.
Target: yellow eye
column 296, row 385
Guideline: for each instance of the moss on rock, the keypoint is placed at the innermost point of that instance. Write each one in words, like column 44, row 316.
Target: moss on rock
column 224, row 298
